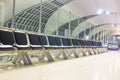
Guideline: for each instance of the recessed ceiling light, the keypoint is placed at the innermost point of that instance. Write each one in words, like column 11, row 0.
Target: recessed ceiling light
column 107, row 12
column 103, row 12
column 99, row 12
column 112, row 25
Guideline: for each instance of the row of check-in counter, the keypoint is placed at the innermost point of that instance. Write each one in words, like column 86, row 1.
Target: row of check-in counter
column 26, row 45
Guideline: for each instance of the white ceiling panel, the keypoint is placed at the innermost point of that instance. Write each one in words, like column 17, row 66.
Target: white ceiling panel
column 90, row 7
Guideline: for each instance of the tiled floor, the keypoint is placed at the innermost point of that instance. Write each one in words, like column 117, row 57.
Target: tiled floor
column 99, row 67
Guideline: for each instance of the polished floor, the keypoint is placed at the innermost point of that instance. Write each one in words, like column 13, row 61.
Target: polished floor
column 98, row 67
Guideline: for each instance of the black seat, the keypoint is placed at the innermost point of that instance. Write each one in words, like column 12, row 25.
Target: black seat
column 94, row 44
column 6, row 40
column 83, row 43
column 58, row 41
column 88, row 43
column 69, row 43
column 64, row 42
column 51, row 41
column 34, row 41
column 80, row 43
column 76, row 43
column 43, row 41
column 98, row 44
column 21, row 41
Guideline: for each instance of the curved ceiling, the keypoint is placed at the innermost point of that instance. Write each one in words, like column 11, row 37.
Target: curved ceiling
column 85, row 7
column 29, row 19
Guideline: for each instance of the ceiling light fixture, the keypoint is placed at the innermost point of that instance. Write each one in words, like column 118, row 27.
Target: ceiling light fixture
column 100, row 12
column 103, row 12
column 115, row 25
column 112, row 25
column 107, row 12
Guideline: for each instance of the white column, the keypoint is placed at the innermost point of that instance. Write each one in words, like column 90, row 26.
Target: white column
column 106, row 38
column 40, row 21
column 99, row 37
column 57, row 21
column 90, row 33
column 103, row 37
column 2, row 13
column 69, row 27
column 94, row 35
column 84, row 30
column 94, row 38
column 66, row 32
column 78, row 28
column 13, row 15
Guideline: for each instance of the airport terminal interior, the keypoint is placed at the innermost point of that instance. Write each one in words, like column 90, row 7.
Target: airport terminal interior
column 59, row 39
